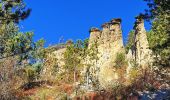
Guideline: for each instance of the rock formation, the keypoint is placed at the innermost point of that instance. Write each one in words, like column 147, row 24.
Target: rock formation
column 140, row 52
column 95, row 34
column 54, row 60
column 143, row 53
column 107, row 43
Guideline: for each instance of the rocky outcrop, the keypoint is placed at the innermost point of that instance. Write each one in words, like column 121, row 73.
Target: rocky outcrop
column 104, row 45
column 108, row 42
column 54, row 61
column 143, row 53
column 95, row 35
column 140, row 52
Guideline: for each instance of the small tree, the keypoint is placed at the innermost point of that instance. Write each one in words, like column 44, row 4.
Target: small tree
column 73, row 57
column 159, row 36
column 159, row 40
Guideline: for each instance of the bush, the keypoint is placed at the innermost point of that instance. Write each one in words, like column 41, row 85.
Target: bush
column 120, row 60
column 134, row 74
column 9, row 81
column 31, row 73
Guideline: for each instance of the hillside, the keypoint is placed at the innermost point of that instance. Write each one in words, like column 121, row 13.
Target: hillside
column 100, row 67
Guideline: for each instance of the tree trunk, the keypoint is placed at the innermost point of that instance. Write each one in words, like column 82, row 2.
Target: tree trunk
column 74, row 75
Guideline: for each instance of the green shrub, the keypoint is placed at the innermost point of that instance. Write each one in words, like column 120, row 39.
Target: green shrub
column 120, row 60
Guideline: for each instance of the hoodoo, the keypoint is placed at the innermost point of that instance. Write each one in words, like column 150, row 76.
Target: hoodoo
column 140, row 52
column 108, row 43
column 104, row 46
column 95, row 35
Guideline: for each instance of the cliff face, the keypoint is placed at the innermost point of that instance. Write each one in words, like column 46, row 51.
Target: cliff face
column 109, row 43
column 109, row 39
column 140, row 53
column 104, row 45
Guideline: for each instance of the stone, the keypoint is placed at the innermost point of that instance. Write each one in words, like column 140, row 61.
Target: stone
column 141, row 52
column 109, row 43
column 95, row 35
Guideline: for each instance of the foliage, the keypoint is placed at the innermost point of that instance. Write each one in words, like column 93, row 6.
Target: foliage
column 85, row 50
column 15, row 43
column 159, row 35
column 20, row 45
column 73, row 56
column 22, row 58
column 120, row 60
column 93, row 51
column 13, row 11
column 32, row 71
column 7, row 33
column 159, row 40
column 71, row 59
column 156, row 8
column 17, row 49
column 130, row 42
column 86, row 43
column 9, row 80
column 93, row 57
column 134, row 73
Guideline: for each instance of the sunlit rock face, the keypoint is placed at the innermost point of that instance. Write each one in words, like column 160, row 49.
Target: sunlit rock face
column 141, row 52
column 59, row 54
column 54, row 60
column 105, row 37
column 109, row 43
column 95, row 35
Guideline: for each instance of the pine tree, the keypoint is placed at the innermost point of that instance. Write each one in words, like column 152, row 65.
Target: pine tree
column 13, row 11
column 159, row 36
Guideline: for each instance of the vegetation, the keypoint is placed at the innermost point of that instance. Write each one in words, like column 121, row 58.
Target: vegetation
column 130, row 42
column 18, row 53
column 159, row 40
column 156, row 8
column 13, row 11
column 120, row 60
column 30, row 71
column 73, row 56
column 159, row 35
column 93, row 55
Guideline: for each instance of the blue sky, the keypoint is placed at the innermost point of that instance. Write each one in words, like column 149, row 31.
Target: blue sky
column 72, row 19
